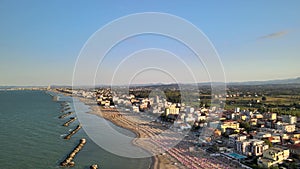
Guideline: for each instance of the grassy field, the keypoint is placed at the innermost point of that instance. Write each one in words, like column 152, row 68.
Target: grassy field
column 282, row 104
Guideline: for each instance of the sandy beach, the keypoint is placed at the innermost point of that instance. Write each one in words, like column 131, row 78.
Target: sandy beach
column 141, row 128
column 166, row 154
column 169, row 152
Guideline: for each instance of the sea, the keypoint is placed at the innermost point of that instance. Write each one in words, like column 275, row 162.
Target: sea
column 31, row 135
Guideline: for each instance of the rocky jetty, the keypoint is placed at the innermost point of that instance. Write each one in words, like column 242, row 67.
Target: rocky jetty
column 94, row 166
column 65, row 109
column 72, row 119
column 68, row 162
column 73, row 132
column 65, row 115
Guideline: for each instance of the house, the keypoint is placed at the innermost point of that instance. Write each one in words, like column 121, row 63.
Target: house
column 275, row 139
column 200, row 117
column 233, row 138
column 135, row 108
column 189, row 118
column 270, row 116
column 295, row 140
column 253, row 122
column 262, row 135
column 289, row 119
column 172, row 110
column 214, row 124
column 295, row 150
column 229, row 124
column 251, row 147
column 285, row 127
column 258, row 116
column 273, row 156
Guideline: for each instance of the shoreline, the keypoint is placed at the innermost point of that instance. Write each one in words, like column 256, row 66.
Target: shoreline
column 116, row 118
column 94, row 108
column 178, row 157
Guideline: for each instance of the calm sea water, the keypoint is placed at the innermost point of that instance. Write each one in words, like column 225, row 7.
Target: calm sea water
column 32, row 136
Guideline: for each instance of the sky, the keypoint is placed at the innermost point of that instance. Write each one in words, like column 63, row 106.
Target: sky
column 40, row 41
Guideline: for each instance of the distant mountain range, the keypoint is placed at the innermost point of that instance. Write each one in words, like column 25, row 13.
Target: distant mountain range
column 267, row 82
column 279, row 81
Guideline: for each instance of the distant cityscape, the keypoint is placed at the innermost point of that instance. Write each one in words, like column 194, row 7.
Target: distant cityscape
column 258, row 127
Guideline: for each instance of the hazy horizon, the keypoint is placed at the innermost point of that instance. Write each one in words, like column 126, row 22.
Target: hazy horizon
column 227, row 82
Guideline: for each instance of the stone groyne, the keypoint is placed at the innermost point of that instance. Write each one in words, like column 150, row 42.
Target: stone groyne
column 67, row 137
column 68, row 162
column 65, row 115
column 72, row 119
column 65, row 109
column 94, row 166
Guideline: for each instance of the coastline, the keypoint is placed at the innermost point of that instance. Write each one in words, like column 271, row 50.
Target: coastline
column 112, row 115
column 93, row 108
column 178, row 157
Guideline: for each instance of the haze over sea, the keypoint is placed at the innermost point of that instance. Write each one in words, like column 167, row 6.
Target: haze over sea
column 32, row 135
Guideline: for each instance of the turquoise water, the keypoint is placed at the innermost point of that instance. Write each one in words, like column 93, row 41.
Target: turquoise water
column 32, row 136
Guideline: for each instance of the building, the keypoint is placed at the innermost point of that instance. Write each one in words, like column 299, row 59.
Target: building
column 251, row 147
column 275, row 139
column 262, row 135
column 286, row 127
column 200, row 117
column 214, row 124
column 253, row 122
column 295, row 150
column 270, row 116
column 273, row 156
column 233, row 138
column 258, row 116
column 189, row 109
column 189, row 118
column 135, row 109
column 172, row 110
column 230, row 124
column 289, row 119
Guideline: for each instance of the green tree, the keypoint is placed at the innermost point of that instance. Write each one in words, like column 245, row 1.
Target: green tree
column 268, row 142
column 246, row 126
column 292, row 165
column 274, row 167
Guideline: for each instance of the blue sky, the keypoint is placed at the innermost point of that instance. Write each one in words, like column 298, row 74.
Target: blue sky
column 40, row 40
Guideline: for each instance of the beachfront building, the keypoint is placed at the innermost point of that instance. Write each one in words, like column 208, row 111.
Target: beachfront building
column 189, row 109
column 214, row 124
column 200, row 117
column 273, row 156
column 233, row 138
column 189, row 118
column 135, row 108
column 251, row 147
column 173, row 109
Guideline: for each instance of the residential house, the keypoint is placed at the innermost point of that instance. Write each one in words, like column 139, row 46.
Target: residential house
column 273, row 156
